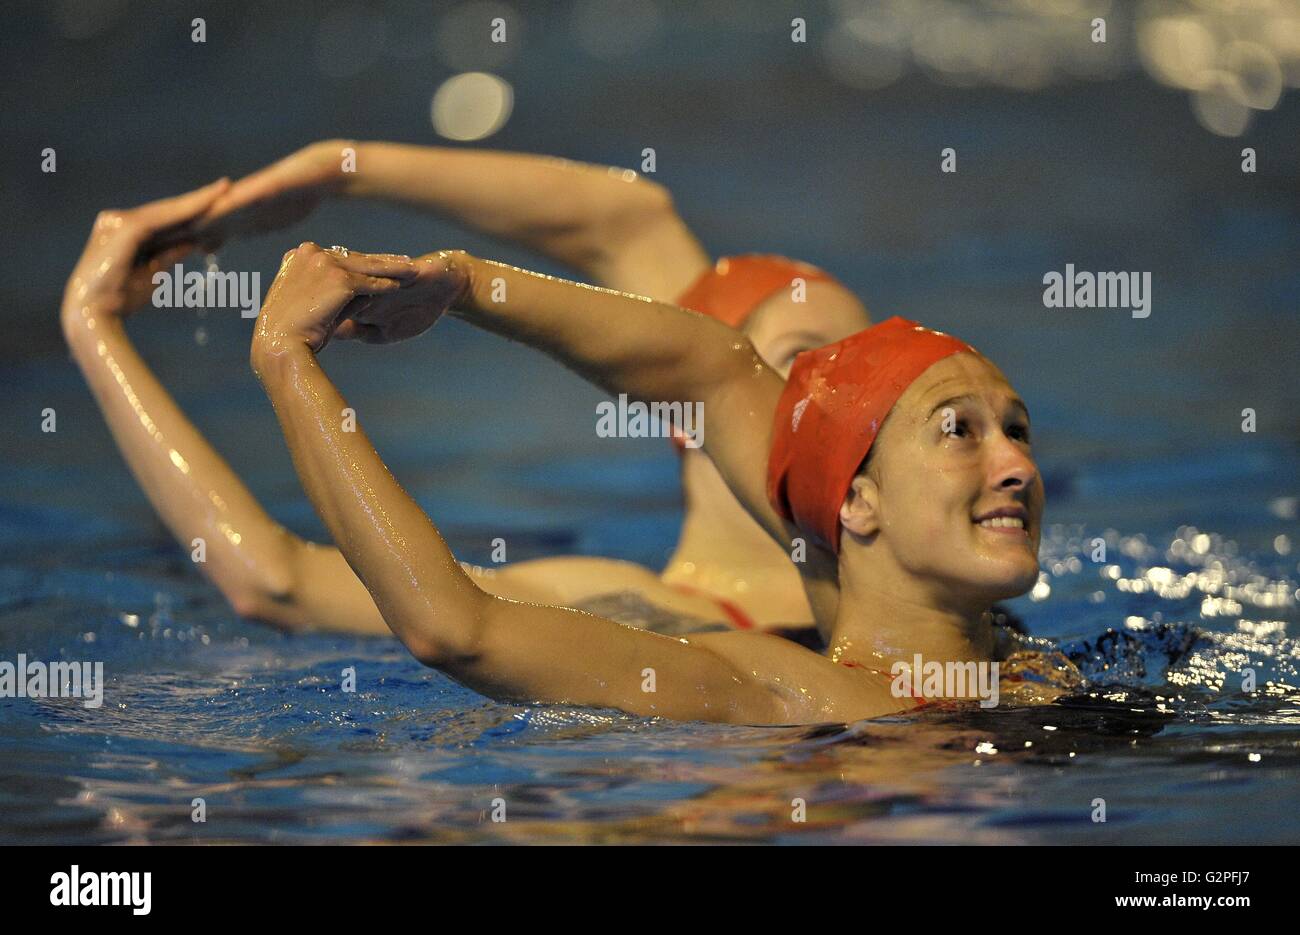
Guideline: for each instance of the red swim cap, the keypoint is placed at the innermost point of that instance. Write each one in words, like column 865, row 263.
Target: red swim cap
column 736, row 285
column 828, row 416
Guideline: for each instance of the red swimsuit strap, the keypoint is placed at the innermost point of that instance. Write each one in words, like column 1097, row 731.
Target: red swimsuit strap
column 739, row 619
column 922, row 701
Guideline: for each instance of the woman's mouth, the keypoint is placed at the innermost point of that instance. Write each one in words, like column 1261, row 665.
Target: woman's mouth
column 1005, row 521
column 1004, row 524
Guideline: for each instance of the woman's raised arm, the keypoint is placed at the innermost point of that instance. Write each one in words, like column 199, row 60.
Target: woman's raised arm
column 612, row 225
column 506, row 649
column 652, row 351
column 252, row 559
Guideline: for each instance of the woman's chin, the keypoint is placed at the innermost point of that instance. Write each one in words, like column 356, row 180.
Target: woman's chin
column 1011, row 579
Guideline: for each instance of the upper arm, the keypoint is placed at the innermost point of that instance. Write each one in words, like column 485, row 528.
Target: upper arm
column 649, row 250
column 740, row 397
column 739, row 406
column 740, row 393
column 535, row 653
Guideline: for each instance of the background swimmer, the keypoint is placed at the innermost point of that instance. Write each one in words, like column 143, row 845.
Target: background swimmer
column 615, row 228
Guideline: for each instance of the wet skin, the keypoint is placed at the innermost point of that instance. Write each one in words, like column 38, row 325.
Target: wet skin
column 515, row 651
column 956, row 494
column 502, row 647
column 615, row 228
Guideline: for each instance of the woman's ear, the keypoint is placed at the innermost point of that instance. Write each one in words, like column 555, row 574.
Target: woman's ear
column 860, row 511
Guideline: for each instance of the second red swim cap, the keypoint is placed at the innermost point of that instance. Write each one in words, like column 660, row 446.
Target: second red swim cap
column 732, row 288
column 832, row 408
column 736, row 285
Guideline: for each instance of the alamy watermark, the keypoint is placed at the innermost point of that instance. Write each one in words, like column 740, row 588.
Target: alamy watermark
column 78, row 888
column 36, row 679
column 1098, row 290
column 651, row 420
column 210, row 289
column 933, row 679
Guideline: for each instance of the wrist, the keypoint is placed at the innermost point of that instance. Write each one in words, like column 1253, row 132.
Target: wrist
column 462, row 268
column 272, row 354
column 85, row 318
column 326, row 161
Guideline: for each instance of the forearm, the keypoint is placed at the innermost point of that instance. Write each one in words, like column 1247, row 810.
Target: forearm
column 503, row 648
column 198, row 497
column 652, row 351
column 421, row 592
column 623, row 343
column 573, row 212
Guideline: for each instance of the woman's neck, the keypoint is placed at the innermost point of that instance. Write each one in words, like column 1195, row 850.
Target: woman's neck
column 884, row 618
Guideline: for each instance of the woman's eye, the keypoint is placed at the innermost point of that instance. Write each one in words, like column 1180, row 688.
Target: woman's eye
column 1019, row 432
column 959, row 430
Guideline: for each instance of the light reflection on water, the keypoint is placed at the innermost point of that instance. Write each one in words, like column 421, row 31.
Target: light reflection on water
column 201, row 706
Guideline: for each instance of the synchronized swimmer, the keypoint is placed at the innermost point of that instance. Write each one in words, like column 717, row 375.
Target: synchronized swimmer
column 895, row 462
column 612, row 227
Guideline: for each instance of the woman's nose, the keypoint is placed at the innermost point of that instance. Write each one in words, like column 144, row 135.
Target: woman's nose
column 1012, row 467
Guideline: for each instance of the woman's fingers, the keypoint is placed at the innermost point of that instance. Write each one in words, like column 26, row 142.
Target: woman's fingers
column 372, row 285
column 390, row 265
column 260, row 186
column 169, row 212
column 355, row 274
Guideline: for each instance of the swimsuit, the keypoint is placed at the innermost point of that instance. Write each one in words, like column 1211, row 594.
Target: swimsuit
column 921, row 700
column 739, row 619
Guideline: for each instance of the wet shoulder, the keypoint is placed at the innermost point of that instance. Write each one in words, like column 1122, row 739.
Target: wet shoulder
column 810, row 687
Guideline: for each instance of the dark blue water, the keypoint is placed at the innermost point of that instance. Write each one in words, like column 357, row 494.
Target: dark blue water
column 1137, row 424
column 201, row 705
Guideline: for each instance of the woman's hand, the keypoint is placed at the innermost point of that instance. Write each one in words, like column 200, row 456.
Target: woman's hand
column 282, row 194
column 115, row 273
column 314, row 286
column 439, row 283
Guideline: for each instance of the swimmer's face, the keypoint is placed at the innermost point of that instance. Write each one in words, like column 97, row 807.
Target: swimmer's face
column 953, row 489
column 780, row 327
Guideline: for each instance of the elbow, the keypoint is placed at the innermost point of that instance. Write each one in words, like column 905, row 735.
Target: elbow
column 648, row 207
column 273, row 609
column 438, row 654
column 453, row 641
column 428, row 653
column 270, row 595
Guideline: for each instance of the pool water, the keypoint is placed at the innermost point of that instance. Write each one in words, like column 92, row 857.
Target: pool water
column 201, row 705
column 1137, row 429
